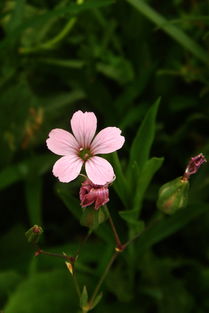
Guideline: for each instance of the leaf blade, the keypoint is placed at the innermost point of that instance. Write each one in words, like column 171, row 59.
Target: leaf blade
column 173, row 31
column 142, row 143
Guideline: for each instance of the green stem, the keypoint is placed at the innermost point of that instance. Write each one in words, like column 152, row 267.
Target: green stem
column 173, row 31
column 119, row 245
column 114, row 256
column 50, row 43
column 96, row 290
column 69, row 259
column 77, row 287
column 83, row 242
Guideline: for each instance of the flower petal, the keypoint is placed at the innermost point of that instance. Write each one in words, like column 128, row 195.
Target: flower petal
column 67, row 168
column 84, row 126
column 102, row 197
column 107, row 140
column 99, row 170
column 62, row 142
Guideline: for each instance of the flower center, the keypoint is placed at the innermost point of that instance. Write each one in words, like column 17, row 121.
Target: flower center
column 84, row 154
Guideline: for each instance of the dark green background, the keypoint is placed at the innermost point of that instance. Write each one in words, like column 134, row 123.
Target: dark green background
column 114, row 58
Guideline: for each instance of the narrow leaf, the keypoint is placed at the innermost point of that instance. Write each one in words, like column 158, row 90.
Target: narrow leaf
column 71, row 10
column 136, row 226
column 97, row 300
column 173, row 31
column 120, row 185
column 142, row 143
column 17, row 14
column 148, row 171
column 84, row 298
column 169, row 225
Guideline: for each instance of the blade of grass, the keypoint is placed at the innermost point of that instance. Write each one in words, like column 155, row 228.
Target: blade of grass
column 143, row 140
column 173, row 31
column 70, row 63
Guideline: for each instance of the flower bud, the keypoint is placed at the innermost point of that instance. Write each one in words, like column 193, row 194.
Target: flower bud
column 33, row 234
column 194, row 165
column 93, row 194
column 173, row 195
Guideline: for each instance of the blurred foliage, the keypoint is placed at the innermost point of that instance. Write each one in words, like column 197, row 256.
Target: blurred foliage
column 114, row 58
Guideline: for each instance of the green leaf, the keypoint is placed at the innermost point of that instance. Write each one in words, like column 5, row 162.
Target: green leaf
column 14, row 243
column 132, row 116
column 52, row 104
column 8, row 281
column 136, row 226
column 84, row 298
column 71, row 9
column 69, row 63
column 71, row 202
column 150, row 168
column 130, row 217
column 17, row 15
column 173, row 31
column 120, row 185
column 169, row 225
column 19, row 109
column 118, row 283
column 33, row 196
column 31, row 167
column 48, row 292
column 118, row 69
column 142, row 143
column 97, row 300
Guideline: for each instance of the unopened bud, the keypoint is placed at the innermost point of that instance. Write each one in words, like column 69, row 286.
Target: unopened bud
column 33, row 234
column 173, row 195
column 194, row 165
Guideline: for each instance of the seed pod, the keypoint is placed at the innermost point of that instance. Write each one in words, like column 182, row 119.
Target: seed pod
column 173, row 196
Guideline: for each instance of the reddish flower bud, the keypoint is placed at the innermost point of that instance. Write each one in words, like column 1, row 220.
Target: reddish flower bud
column 33, row 235
column 91, row 193
column 193, row 165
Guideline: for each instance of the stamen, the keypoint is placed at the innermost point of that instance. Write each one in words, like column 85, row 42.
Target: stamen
column 84, row 154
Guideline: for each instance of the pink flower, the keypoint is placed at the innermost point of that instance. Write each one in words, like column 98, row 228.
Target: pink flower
column 91, row 193
column 82, row 146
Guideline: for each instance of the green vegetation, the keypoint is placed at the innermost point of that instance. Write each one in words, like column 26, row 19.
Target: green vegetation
column 142, row 66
